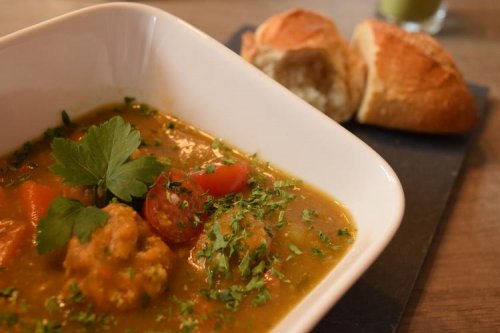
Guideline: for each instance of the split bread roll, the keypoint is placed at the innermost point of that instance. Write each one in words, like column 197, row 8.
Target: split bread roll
column 412, row 82
column 303, row 51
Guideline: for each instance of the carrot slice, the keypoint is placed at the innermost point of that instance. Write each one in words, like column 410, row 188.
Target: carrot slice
column 3, row 197
column 36, row 199
column 13, row 236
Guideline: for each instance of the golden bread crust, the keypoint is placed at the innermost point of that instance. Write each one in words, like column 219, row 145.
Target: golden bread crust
column 303, row 50
column 297, row 29
column 413, row 83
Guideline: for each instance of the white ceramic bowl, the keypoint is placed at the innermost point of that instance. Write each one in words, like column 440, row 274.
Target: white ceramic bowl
column 100, row 54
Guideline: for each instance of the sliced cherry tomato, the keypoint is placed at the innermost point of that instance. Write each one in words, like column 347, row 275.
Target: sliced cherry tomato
column 172, row 206
column 224, row 179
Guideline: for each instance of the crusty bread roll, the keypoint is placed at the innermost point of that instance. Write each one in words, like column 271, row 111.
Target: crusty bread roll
column 412, row 82
column 303, row 51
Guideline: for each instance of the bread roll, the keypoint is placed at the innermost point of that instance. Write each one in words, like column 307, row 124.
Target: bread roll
column 303, row 51
column 412, row 82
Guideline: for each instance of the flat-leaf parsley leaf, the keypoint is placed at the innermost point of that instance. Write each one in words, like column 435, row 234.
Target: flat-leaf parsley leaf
column 66, row 218
column 101, row 159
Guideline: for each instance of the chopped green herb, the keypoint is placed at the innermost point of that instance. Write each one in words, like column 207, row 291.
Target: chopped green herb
column 65, row 118
column 171, row 125
column 167, row 162
column 52, row 304
column 45, row 326
column 20, row 156
column 188, row 325
column 255, row 283
column 277, row 273
column 343, row 232
column 218, row 144
column 294, row 249
column 281, row 220
column 75, row 294
column 196, row 220
column 128, row 100
column 131, row 272
column 228, row 160
column 259, row 269
column 323, row 237
column 59, row 131
column 285, row 183
column 186, row 308
column 262, row 297
column 53, row 132
column 85, row 318
column 7, row 292
column 308, row 215
column 244, row 265
column 231, row 297
column 145, row 110
column 153, row 143
column 210, row 168
column 318, row 252
column 8, row 319
column 183, row 204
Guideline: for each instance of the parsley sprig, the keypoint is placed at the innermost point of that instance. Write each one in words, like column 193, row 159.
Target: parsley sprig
column 66, row 218
column 101, row 160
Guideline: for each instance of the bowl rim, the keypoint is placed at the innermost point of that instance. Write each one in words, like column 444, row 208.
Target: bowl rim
column 359, row 266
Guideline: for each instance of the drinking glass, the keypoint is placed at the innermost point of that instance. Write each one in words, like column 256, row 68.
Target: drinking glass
column 413, row 15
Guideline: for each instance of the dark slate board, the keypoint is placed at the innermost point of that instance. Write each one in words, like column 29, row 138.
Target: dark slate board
column 428, row 167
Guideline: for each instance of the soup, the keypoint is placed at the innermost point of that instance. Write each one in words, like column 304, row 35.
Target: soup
column 129, row 220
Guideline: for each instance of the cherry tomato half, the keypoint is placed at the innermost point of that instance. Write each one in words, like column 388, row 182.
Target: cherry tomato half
column 224, row 179
column 172, row 206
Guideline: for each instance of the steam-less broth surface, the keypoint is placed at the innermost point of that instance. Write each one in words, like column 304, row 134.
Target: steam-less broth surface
column 220, row 241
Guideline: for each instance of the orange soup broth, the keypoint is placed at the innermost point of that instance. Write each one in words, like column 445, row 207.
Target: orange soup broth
column 308, row 246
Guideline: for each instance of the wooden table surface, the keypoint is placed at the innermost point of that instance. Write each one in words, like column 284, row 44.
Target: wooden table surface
column 458, row 289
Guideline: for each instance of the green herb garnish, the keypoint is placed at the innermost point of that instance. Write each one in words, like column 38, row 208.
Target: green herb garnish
column 218, row 144
column 102, row 159
column 294, row 249
column 317, row 251
column 228, row 160
column 66, row 218
column 308, row 215
column 8, row 319
column 59, row 131
column 7, row 292
column 20, row 156
column 128, row 100
column 343, row 232
column 210, row 168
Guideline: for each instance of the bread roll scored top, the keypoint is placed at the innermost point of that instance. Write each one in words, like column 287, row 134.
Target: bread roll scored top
column 412, row 84
column 303, row 51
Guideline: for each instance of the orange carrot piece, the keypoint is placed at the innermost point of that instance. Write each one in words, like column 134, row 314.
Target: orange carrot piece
column 36, row 199
column 3, row 197
column 13, row 236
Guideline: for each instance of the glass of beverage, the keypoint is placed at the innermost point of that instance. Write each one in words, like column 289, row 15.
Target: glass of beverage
column 413, row 15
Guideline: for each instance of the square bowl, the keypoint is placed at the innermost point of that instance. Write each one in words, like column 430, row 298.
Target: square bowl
column 97, row 55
